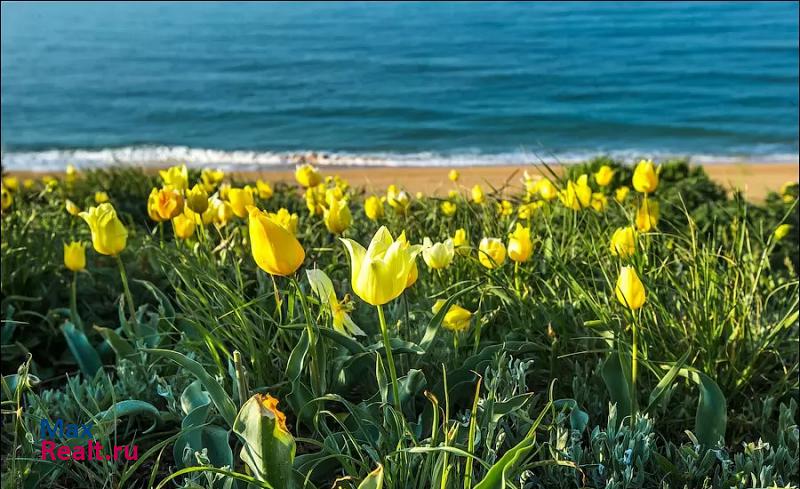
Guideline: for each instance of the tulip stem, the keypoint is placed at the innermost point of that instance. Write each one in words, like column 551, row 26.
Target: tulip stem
column 73, row 301
column 128, row 295
column 634, row 371
column 389, row 359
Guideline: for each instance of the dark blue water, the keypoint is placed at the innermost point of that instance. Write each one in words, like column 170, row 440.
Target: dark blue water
column 397, row 82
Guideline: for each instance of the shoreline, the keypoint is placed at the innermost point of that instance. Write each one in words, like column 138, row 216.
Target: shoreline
column 756, row 179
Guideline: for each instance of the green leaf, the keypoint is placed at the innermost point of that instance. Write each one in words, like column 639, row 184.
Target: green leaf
column 87, row 357
column 711, row 418
column 130, row 407
column 434, row 325
column 121, row 347
column 219, row 397
column 618, row 384
column 374, row 480
column 666, row 381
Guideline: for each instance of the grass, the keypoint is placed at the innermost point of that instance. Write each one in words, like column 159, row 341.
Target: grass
column 537, row 392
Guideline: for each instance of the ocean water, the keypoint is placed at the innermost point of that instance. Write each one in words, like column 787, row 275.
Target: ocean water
column 396, row 83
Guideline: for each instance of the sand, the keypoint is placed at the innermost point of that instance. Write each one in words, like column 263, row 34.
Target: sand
column 755, row 179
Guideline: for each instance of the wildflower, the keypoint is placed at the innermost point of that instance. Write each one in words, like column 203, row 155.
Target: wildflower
column 599, row 201
column 337, row 216
column 492, row 253
column 505, row 208
column 274, row 248
column 645, row 177
column 453, row 175
column 448, row 208
column 414, row 273
column 623, row 242
column 621, row 194
column 109, row 235
column 373, row 207
column 398, row 199
column 28, row 183
column 75, row 256
column 460, row 241
column 6, row 199
column 782, row 231
column 456, row 318
column 519, row 244
column 477, row 194
column 176, row 177
column 322, row 286
column 72, row 208
column 184, row 225
column 221, row 211
column 100, row 197
column 526, row 211
column 197, row 199
column 604, row 175
column 240, row 199
column 578, row 194
column 211, row 178
column 164, row 204
column 546, row 189
column 307, row 176
column 264, row 189
column 285, row 219
column 647, row 215
column 630, row 290
column 315, row 199
column 380, row 272
column 11, row 183
column 438, row 255
column 71, row 173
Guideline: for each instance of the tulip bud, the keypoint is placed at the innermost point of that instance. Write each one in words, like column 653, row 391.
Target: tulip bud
column 75, row 256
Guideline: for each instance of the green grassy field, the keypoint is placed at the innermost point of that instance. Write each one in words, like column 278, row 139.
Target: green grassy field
column 241, row 349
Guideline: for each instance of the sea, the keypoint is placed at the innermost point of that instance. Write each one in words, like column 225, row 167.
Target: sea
column 254, row 85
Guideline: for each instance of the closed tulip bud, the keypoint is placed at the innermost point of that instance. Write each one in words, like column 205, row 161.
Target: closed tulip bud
column 307, row 176
column 197, row 199
column 380, row 272
column 453, row 175
column 176, row 177
column 578, row 194
column 520, row 245
column 73, row 209
column 461, row 242
column 448, row 208
column 75, row 256
column 647, row 216
column 264, row 189
column 438, row 255
column 274, row 248
column 285, row 219
column 456, row 319
column 547, row 190
column 782, row 231
column 623, row 242
column 373, row 207
column 477, row 194
column 240, row 199
column 604, row 175
column 630, row 290
column 337, row 216
column 184, row 225
column 109, row 235
column 398, row 199
column 100, row 197
column 621, row 194
column 6, row 199
column 645, row 177
column 491, row 253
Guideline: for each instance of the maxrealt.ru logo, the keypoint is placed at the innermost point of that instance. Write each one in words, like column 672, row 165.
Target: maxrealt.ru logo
column 92, row 450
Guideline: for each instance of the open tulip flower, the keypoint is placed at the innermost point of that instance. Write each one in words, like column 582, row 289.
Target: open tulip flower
column 307, row 176
column 456, row 319
column 176, row 177
column 578, row 194
column 164, row 204
column 322, row 286
column 438, row 255
column 398, row 199
column 379, row 273
column 477, row 194
column 491, row 253
column 109, row 235
column 274, row 248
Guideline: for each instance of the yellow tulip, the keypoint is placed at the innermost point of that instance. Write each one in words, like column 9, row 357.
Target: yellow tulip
column 28, row 183
column 413, row 275
column 398, row 199
column 453, row 175
column 197, row 199
column 71, row 172
column 452, row 195
column 315, row 199
column 621, row 194
column 211, row 178
column 322, row 286
column 520, row 245
column 438, row 255
column 526, row 211
column 264, row 189
column 623, row 242
column 164, row 204
column 604, row 175
column 184, row 225
column 224, row 188
column 448, row 208
column 505, row 208
column 461, row 242
column 599, row 201
column 240, row 199
column 11, row 183
column 782, row 231
column 274, row 247
column 456, row 319
column 546, row 189
column 373, row 207
column 75, row 256
column 578, row 194
column 630, row 290
column 645, row 177
column 100, row 197
column 647, row 215
column 72, row 208
column 380, row 272
column 176, row 177
column 109, row 235
column 285, row 219
column 221, row 211
column 477, row 194
column 307, row 176
column 491, row 253
column 337, row 216
column 6, row 199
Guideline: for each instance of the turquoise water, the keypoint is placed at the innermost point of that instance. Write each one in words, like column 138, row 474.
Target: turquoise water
column 400, row 83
